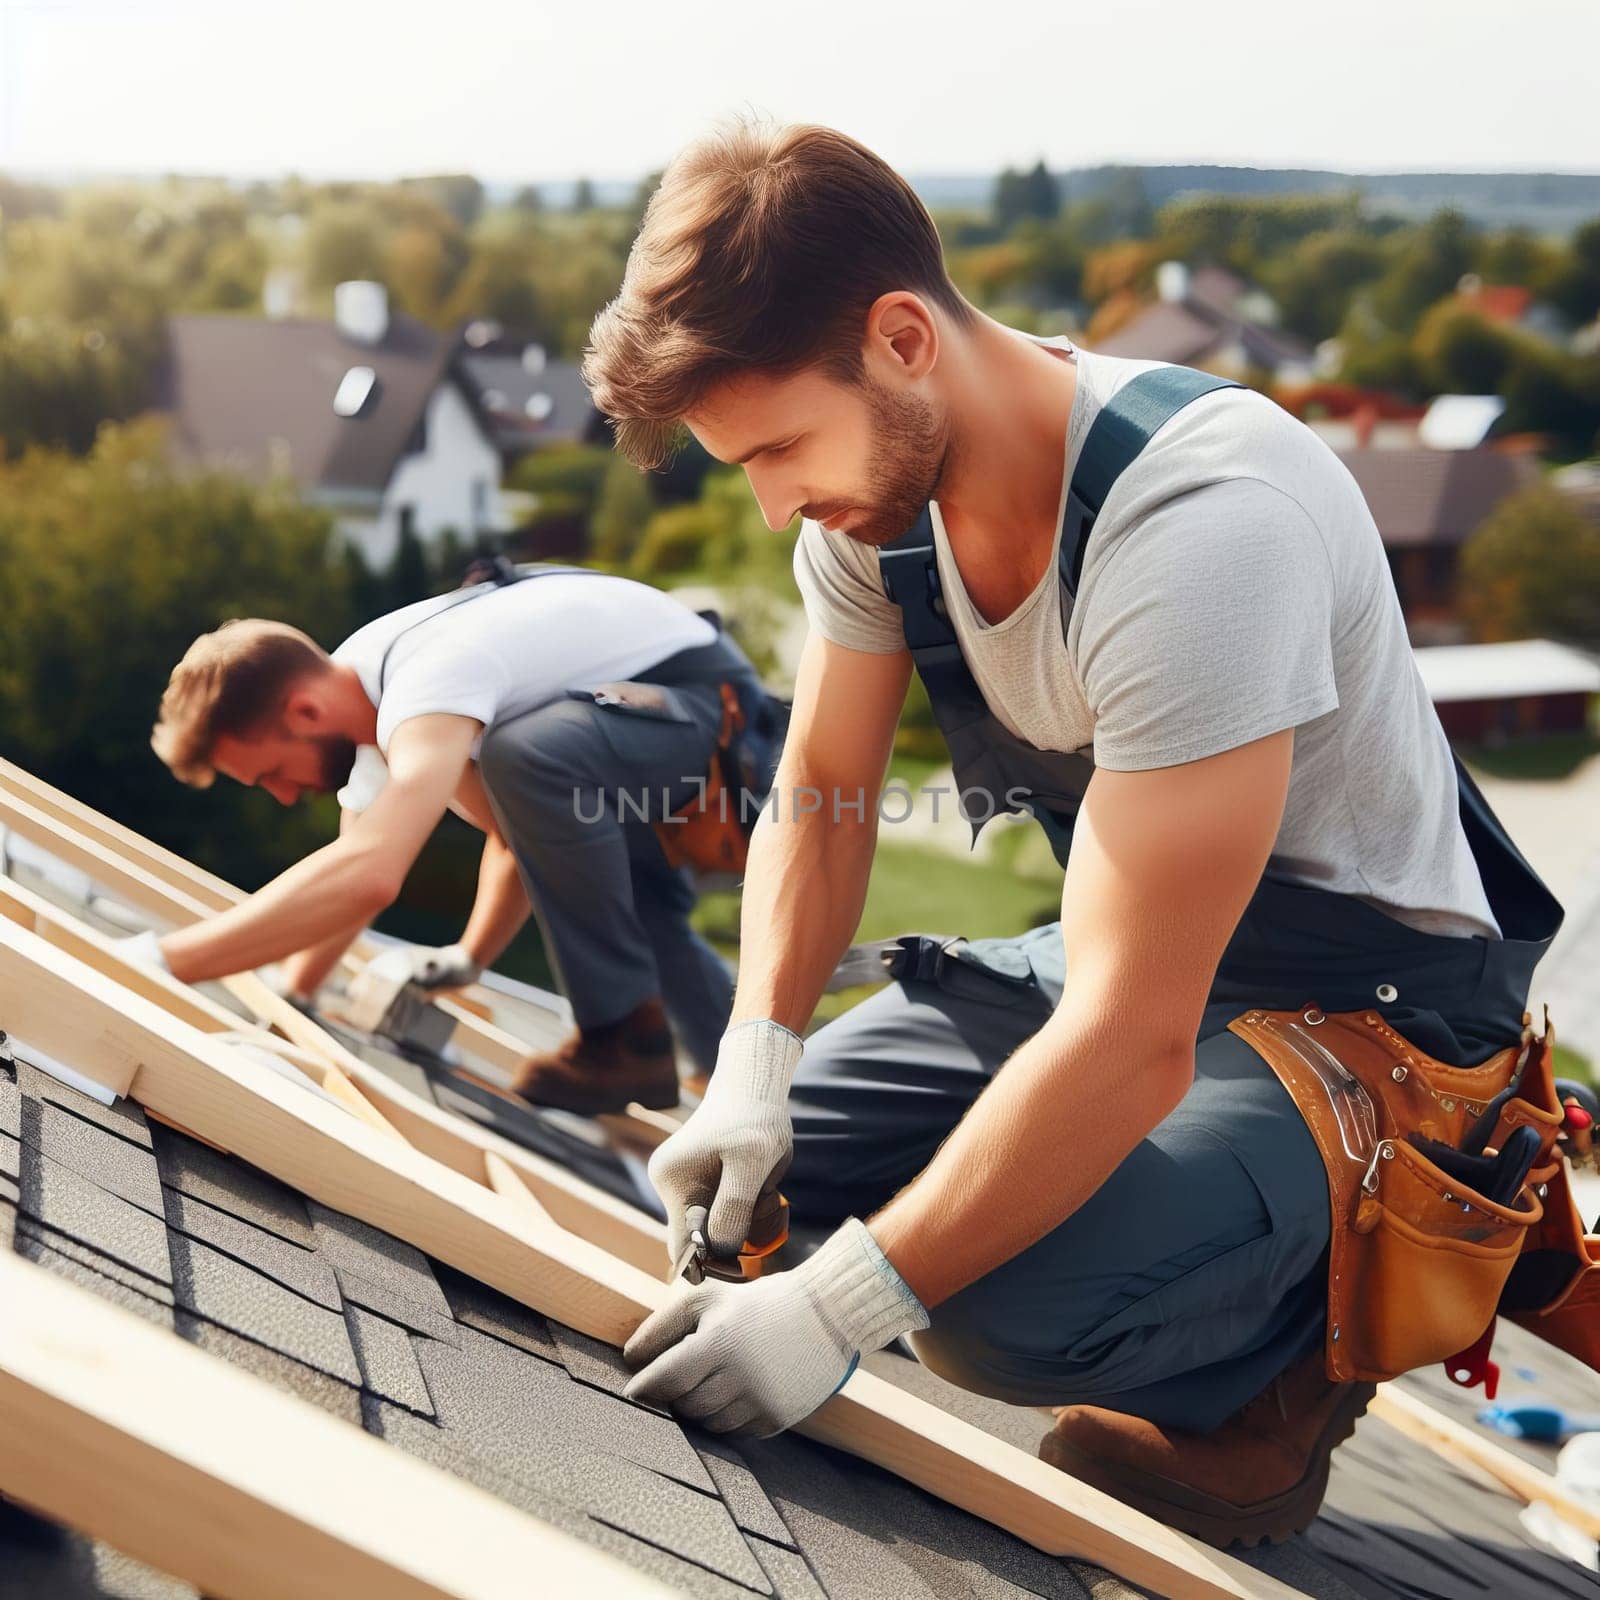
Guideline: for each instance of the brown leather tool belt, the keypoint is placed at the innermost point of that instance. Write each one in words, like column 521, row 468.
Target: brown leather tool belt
column 1418, row 1259
column 708, row 833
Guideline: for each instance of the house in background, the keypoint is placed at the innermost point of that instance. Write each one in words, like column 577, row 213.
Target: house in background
column 1211, row 318
column 1426, row 504
column 1514, row 307
column 370, row 415
column 1494, row 692
column 531, row 399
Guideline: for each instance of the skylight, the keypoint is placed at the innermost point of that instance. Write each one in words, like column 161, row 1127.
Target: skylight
column 355, row 388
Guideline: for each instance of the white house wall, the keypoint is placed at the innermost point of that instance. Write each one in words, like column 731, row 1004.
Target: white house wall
column 437, row 482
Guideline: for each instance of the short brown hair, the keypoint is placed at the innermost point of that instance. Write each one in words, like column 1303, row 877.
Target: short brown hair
column 762, row 250
column 233, row 681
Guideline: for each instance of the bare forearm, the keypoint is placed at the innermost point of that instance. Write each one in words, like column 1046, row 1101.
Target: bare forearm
column 307, row 970
column 1068, row 1107
column 501, row 907
column 313, row 901
column 803, row 892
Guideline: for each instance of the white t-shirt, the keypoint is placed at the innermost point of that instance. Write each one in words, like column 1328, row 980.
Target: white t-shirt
column 507, row 651
column 1235, row 584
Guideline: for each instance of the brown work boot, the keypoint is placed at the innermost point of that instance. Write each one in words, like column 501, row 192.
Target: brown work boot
column 1258, row 1477
column 606, row 1068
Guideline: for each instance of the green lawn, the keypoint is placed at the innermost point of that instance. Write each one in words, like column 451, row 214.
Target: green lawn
column 1569, row 1064
column 1555, row 755
column 916, row 890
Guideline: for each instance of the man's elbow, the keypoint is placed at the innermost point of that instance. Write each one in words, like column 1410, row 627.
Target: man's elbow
column 376, row 887
column 1171, row 1074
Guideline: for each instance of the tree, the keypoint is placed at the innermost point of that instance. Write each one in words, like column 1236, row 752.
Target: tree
column 583, row 198
column 408, row 578
column 1532, row 570
column 622, row 509
column 342, row 242
column 113, row 564
column 1315, row 282
column 1460, row 352
column 1033, row 193
column 1573, row 284
column 1429, row 265
column 459, row 193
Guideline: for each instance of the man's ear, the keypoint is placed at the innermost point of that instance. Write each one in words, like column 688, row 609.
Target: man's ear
column 902, row 335
column 304, row 714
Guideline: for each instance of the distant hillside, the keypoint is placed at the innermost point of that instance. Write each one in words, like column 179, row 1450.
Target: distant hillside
column 1549, row 202
column 1553, row 202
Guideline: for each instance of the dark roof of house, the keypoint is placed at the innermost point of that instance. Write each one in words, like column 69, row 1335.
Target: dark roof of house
column 255, row 395
column 1434, row 496
column 505, row 387
column 1205, row 321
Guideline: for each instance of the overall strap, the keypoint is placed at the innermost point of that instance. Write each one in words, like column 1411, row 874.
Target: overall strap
column 502, row 576
column 1124, row 426
column 909, row 568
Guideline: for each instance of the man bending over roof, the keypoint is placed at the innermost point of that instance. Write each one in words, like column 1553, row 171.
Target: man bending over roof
column 559, row 711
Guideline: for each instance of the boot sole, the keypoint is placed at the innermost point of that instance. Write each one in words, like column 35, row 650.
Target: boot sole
column 1216, row 1521
column 601, row 1105
column 662, row 1099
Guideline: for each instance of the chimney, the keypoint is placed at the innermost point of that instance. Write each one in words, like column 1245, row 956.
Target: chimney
column 1172, row 282
column 361, row 310
column 280, row 292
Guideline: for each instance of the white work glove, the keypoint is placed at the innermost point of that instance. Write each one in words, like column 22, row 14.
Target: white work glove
column 737, row 1142
column 143, row 948
column 759, row 1357
column 276, row 977
column 447, row 968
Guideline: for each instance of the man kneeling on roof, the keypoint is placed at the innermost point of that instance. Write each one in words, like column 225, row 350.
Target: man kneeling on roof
column 1086, row 1190
column 565, row 713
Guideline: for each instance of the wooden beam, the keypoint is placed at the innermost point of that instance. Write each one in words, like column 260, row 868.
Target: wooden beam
column 505, row 1183
column 462, row 1145
column 459, row 1143
column 164, row 865
column 176, row 1458
column 1446, row 1437
column 66, row 932
column 169, row 889
column 77, row 938
column 104, row 863
column 68, row 1009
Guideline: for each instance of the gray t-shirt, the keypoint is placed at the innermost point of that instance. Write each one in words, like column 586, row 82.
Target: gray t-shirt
column 1235, row 584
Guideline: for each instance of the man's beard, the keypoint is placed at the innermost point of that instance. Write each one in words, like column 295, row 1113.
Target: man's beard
column 337, row 755
column 910, row 451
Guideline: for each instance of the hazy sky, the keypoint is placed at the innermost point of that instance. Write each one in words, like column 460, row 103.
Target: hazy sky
column 537, row 90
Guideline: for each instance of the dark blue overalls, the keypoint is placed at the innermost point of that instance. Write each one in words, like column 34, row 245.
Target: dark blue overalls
column 1197, row 1272
column 612, row 910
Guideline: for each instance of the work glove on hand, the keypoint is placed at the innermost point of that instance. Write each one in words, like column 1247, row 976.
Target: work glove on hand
column 276, row 977
column 144, row 948
column 760, row 1356
column 447, row 968
column 737, row 1142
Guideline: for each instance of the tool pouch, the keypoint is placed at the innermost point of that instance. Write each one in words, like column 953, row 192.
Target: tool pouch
column 1418, row 1260
column 709, row 833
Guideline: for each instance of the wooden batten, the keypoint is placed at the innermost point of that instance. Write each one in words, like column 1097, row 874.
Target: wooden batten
column 1448, row 1438
column 179, row 1072
column 173, row 1456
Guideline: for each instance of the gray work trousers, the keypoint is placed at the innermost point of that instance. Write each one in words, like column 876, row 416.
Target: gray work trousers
column 567, row 783
column 1178, row 1291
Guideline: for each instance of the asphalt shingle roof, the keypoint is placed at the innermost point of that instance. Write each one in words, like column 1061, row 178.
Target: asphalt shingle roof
column 256, row 395
column 370, row 1329
column 441, row 1366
